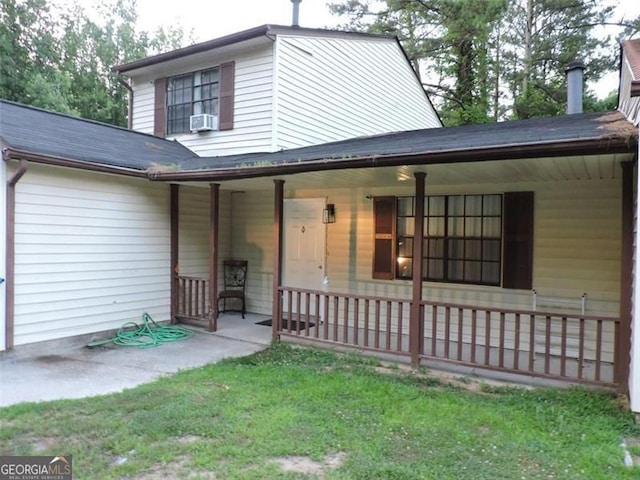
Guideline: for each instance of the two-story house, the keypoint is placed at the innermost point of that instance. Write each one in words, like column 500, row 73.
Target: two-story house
column 86, row 250
column 274, row 87
column 503, row 248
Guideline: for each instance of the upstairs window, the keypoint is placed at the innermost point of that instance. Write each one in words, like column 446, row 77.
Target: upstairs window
column 209, row 91
column 191, row 94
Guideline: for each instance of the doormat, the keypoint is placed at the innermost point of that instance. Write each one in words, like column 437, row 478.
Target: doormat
column 285, row 324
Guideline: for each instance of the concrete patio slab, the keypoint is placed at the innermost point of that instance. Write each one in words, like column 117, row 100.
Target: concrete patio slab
column 67, row 369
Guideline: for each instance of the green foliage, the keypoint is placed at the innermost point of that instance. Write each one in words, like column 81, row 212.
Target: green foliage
column 61, row 59
column 235, row 419
column 593, row 104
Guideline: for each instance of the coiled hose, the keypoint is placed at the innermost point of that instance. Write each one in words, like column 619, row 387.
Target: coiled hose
column 146, row 335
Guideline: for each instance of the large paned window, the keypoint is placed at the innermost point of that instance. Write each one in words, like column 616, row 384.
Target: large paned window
column 475, row 239
column 462, row 238
column 191, row 94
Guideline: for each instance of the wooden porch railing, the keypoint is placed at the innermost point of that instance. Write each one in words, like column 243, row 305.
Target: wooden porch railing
column 192, row 298
column 369, row 323
column 564, row 346
column 571, row 347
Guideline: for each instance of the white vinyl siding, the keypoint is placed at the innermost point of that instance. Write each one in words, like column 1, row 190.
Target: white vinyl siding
column 92, row 252
column 143, row 102
column 333, row 89
column 576, row 249
column 577, row 233
column 193, row 240
column 193, row 237
column 252, row 129
column 252, row 240
column 246, row 233
column 628, row 105
column 634, row 370
column 3, row 253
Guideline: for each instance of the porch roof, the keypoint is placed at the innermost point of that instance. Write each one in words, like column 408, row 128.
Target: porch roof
column 52, row 138
column 582, row 134
column 49, row 137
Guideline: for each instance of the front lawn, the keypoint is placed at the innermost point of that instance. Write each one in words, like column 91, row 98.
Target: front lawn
column 291, row 413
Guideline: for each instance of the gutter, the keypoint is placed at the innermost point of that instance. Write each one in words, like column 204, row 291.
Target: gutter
column 267, row 30
column 194, row 49
column 503, row 152
column 10, row 253
column 10, row 153
column 126, row 85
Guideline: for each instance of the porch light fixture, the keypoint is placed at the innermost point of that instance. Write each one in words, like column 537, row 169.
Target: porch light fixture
column 329, row 213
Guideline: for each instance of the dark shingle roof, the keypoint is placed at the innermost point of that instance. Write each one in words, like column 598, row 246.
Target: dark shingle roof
column 53, row 134
column 44, row 133
column 521, row 138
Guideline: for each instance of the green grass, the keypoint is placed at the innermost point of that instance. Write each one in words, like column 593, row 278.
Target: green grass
column 232, row 419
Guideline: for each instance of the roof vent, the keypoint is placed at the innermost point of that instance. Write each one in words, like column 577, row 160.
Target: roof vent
column 575, row 75
column 296, row 13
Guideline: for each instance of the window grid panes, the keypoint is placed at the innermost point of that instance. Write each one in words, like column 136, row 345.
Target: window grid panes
column 191, row 94
column 462, row 238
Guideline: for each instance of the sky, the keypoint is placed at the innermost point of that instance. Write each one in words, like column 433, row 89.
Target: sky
column 208, row 19
column 214, row 18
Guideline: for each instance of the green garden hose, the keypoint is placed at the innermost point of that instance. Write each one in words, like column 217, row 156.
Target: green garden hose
column 148, row 334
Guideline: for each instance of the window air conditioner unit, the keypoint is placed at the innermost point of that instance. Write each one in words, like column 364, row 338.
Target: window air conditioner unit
column 203, row 122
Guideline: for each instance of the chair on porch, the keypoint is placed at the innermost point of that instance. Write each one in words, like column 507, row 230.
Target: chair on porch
column 235, row 276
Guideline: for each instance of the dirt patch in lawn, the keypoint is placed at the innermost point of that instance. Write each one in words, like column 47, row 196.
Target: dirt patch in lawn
column 176, row 469
column 44, row 444
column 306, row 465
column 632, row 447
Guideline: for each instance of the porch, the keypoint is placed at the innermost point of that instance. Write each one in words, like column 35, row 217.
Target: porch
column 570, row 347
column 487, row 230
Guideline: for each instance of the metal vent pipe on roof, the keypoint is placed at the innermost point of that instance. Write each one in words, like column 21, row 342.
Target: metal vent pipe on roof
column 575, row 81
column 296, row 13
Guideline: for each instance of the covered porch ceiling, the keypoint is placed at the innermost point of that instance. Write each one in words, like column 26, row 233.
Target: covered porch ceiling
column 551, row 169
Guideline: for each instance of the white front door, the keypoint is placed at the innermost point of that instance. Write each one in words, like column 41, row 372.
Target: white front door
column 304, row 245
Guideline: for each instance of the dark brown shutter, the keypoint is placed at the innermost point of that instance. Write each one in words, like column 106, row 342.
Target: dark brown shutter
column 160, row 108
column 384, row 223
column 227, row 85
column 517, row 264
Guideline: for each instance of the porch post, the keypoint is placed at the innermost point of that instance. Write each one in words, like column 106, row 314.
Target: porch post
column 278, row 216
column 416, row 323
column 214, row 210
column 623, row 340
column 174, row 198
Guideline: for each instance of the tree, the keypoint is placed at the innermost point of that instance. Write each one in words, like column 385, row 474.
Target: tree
column 61, row 60
column 487, row 60
column 447, row 41
column 542, row 38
